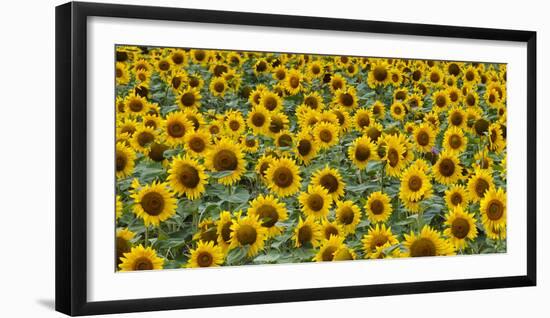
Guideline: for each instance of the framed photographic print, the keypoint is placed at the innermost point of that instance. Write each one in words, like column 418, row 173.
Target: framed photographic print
column 209, row 158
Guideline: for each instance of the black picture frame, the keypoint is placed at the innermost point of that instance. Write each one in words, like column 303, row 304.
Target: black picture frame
column 71, row 157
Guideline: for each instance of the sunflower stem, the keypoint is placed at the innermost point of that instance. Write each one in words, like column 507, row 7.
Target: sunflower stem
column 146, row 236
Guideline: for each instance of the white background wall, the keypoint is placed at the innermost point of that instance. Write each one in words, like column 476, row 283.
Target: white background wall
column 27, row 158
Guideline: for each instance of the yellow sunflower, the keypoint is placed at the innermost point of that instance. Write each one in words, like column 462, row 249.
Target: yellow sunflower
column 278, row 121
column 307, row 232
column 124, row 160
column 331, row 229
column 142, row 138
column 331, row 180
column 316, row 202
column 283, row 177
column 154, row 203
column 121, row 73
column 259, row 120
column 325, row 134
column 186, row 176
column 264, row 162
column 337, row 82
column 378, row 236
column 398, row 111
column 269, row 211
column 394, row 155
column 478, row 185
column 136, row 105
column 461, row 227
column 440, row 100
column 139, row 259
column 346, row 98
column 293, row 81
column 428, row 242
column 424, row 137
column 223, row 230
column 457, row 196
column 379, row 73
column 447, row 169
column 197, row 143
column 234, row 124
column 306, row 148
column 348, row 215
column 493, row 209
column 378, row 109
column 226, row 156
column 206, row 255
column 218, row 87
column 176, row 126
column 378, row 207
column 314, row 101
column 271, row 101
column 483, row 160
column 415, row 184
column 248, row 232
column 329, row 248
column 123, row 244
column 362, row 119
column 454, row 140
column 189, row 98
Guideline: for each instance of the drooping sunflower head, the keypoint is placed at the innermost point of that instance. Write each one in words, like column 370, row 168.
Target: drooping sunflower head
column 248, row 231
column 461, row 226
column 269, row 211
column 316, row 202
column 226, row 156
column 331, row 180
column 483, row 160
column 140, row 258
column 206, row 254
column 428, row 242
column 378, row 207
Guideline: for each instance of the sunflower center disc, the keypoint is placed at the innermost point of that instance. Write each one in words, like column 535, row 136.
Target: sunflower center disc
column 328, row 253
column 225, row 160
column 197, row 144
column 219, row 87
column 495, row 210
column 460, row 228
column 364, row 121
column 145, row 138
column 330, row 230
column 380, row 73
column 176, row 129
column 434, row 77
column 226, row 231
column 276, row 125
column 270, row 103
column 143, row 264
column 189, row 176
column 415, row 183
column 481, row 187
column 441, row 101
column 136, row 106
column 447, row 167
column 422, row 247
column 121, row 161
column 325, row 135
column 346, row 216
column 470, row 100
column 204, row 259
column 347, row 99
column 362, row 153
column 268, row 215
column 294, row 82
column 315, row 202
column 329, row 182
column 304, row 147
column 456, row 198
column 305, row 234
column 311, row 102
column 453, row 69
column 258, row 119
column 285, row 141
column 152, row 203
column 423, row 138
column 393, row 157
column 246, row 234
column 283, row 177
column 188, row 99
column 377, row 207
column 455, row 141
column 234, row 125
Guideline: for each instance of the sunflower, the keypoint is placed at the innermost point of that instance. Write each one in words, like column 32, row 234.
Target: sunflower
column 197, row 143
column 483, row 160
column 269, row 211
column 329, row 229
column 346, row 98
column 496, row 140
column 378, row 109
column 314, row 100
column 259, row 120
column 254, row 97
column 362, row 119
column 226, row 156
column 142, row 138
column 325, row 134
column 189, row 98
column 261, row 66
column 470, row 75
column 152, row 121
column 307, row 232
column 478, row 185
column 315, row 202
column 435, row 76
column 427, row 243
column 206, row 255
column 361, row 151
column 186, row 176
column 331, row 180
column 471, row 98
column 218, row 87
column 306, row 148
column 329, row 248
column 348, row 216
column 223, row 230
column 199, row 56
column 264, row 162
column 234, row 124
column 206, row 231
column 279, row 72
column 283, row 177
column 454, row 140
column 249, row 143
column 344, row 253
column 379, row 73
column 248, row 232
column 337, row 82
column 123, row 244
column 293, row 82
column 394, row 155
column 154, row 203
column 176, row 126
column 124, row 160
column 398, row 111
column 315, row 69
column 278, row 121
column 415, row 184
column 457, row 117
column 136, row 105
column 461, row 227
column 424, row 137
column 378, row 207
column 121, row 73
column 140, row 258
column 493, row 209
column 456, row 196
column 178, row 57
column 440, row 100
column 342, row 117
column 447, row 169
column 378, row 236
column 271, row 101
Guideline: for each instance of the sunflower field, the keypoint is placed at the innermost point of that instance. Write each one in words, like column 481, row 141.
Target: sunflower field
column 228, row 158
